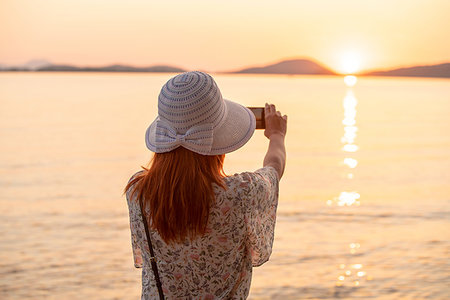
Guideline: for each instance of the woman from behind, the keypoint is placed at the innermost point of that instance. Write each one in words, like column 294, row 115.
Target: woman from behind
column 201, row 232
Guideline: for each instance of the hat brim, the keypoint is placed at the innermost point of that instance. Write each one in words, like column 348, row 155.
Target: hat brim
column 234, row 132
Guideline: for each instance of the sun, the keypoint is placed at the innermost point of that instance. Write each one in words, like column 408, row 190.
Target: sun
column 350, row 62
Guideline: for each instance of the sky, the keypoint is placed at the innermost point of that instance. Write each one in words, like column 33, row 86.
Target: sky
column 345, row 35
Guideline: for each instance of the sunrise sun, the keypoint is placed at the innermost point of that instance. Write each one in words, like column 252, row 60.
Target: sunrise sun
column 350, row 62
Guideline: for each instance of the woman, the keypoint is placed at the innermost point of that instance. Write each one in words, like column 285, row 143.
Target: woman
column 207, row 230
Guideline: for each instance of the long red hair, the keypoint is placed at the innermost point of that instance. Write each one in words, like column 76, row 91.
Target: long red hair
column 177, row 188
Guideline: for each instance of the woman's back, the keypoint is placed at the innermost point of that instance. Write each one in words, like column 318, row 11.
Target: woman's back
column 218, row 264
column 207, row 231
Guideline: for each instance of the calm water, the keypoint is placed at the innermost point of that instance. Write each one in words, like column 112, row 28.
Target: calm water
column 364, row 203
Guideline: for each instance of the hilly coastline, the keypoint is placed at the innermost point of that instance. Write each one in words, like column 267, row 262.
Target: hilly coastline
column 112, row 68
column 291, row 67
column 49, row 67
column 305, row 66
column 285, row 67
column 440, row 70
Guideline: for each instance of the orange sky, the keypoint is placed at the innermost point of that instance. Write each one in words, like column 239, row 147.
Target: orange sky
column 219, row 35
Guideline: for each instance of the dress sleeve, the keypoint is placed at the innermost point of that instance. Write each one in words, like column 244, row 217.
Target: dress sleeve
column 260, row 200
column 136, row 230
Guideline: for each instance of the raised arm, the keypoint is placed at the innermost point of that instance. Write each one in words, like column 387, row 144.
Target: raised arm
column 276, row 126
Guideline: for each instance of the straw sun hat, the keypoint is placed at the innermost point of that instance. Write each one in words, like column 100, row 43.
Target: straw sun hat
column 192, row 114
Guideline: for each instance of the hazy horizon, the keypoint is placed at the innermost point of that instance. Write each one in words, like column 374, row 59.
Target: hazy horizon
column 362, row 71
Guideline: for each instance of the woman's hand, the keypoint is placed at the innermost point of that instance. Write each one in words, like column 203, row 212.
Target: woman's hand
column 276, row 126
column 275, row 123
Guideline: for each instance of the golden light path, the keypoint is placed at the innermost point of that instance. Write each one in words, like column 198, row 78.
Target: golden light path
column 351, row 273
column 350, row 80
column 350, row 162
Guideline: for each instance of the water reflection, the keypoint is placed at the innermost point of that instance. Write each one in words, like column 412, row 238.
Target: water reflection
column 354, row 247
column 350, row 80
column 350, row 148
column 350, row 130
column 350, row 162
column 349, row 122
column 350, row 133
column 348, row 198
column 345, row 199
column 352, row 272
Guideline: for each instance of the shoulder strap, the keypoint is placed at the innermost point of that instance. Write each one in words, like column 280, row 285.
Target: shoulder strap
column 152, row 255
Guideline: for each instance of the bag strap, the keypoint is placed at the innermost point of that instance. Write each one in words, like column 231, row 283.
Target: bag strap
column 152, row 255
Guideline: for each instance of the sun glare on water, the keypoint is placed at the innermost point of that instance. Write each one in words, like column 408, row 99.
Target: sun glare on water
column 350, row 80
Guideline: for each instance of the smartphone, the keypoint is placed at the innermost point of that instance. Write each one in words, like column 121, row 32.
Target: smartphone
column 260, row 117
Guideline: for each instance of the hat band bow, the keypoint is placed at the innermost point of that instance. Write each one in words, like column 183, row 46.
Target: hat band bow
column 198, row 138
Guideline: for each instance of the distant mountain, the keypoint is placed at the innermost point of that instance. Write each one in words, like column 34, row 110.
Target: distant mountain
column 31, row 65
column 59, row 68
column 440, row 70
column 112, row 68
column 45, row 66
column 36, row 64
column 293, row 66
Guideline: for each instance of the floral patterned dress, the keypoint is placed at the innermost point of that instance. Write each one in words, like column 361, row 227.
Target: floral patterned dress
column 218, row 264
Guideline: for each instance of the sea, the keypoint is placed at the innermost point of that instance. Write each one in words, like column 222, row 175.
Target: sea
column 364, row 206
